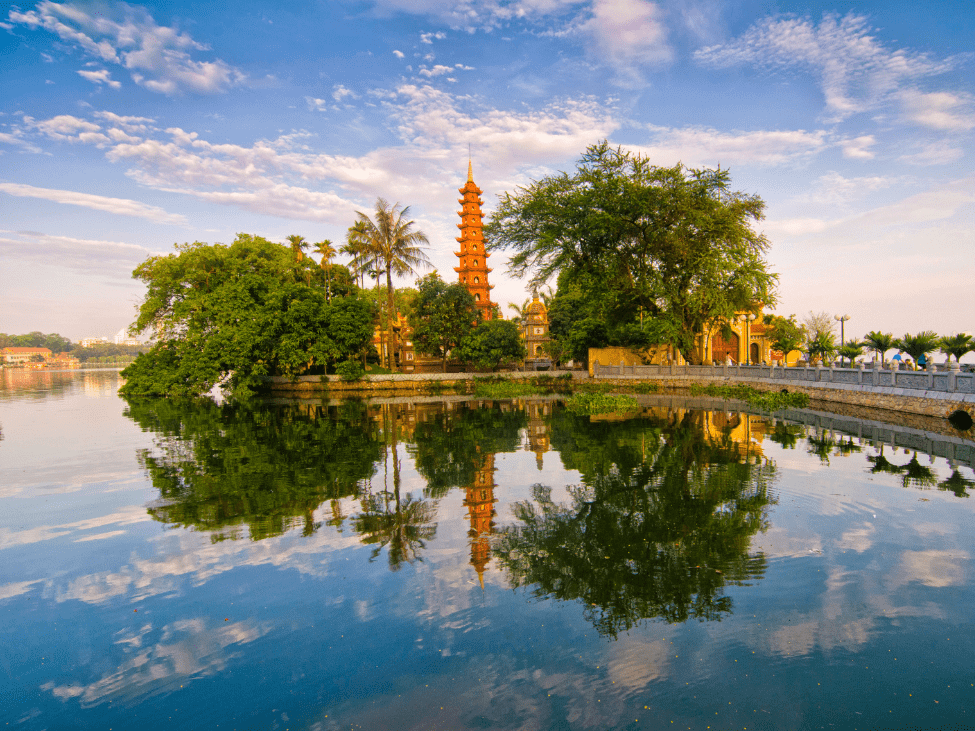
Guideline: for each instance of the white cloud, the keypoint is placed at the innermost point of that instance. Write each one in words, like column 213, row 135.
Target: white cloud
column 101, row 77
column 706, row 146
column 834, row 189
column 398, row 54
column 855, row 71
column 158, row 57
column 939, row 110
column 858, row 148
column 437, row 70
column 316, row 105
column 933, row 153
column 339, row 93
column 430, row 37
column 17, row 138
column 91, row 257
column 120, row 206
column 63, row 126
column 627, row 35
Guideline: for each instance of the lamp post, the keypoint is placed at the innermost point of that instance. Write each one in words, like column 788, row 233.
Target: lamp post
column 841, row 319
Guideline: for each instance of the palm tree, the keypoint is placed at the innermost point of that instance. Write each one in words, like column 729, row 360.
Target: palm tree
column 521, row 313
column 298, row 246
column 357, row 248
column 956, row 345
column 852, row 350
column 918, row 346
column 396, row 245
column 821, row 346
column 880, row 343
column 327, row 252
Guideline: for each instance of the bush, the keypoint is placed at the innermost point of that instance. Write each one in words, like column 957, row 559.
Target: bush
column 350, row 370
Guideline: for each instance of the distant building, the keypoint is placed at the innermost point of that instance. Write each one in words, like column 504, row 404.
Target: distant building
column 25, row 356
column 92, row 342
column 535, row 332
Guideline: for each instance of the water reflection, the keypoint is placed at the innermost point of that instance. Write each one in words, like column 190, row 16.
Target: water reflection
column 661, row 523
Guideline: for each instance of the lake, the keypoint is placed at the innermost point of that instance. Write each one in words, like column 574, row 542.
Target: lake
column 452, row 564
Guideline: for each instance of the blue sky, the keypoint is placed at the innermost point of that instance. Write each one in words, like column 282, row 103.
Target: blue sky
column 125, row 128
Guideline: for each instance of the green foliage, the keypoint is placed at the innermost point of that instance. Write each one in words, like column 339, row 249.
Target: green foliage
column 449, row 448
column 441, row 316
column 504, row 390
column 644, row 388
column 785, row 333
column 880, row 343
column 821, row 346
column 350, row 370
column 675, row 243
column 238, row 314
column 768, row 400
column 661, row 524
column 600, row 403
column 492, row 343
column 956, row 345
column 102, row 351
column 52, row 341
column 391, row 241
column 266, row 468
column 852, row 350
column 918, row 345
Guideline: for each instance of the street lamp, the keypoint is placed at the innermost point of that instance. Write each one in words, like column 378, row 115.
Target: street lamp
column 841, row 319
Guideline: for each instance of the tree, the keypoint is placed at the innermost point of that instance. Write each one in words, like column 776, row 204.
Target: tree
column 236, row 314
column 357, row 247
column 821, row 346
column 492, row 343
column 660, row 525
column 852, row 350
column 441, row 316
column 676, row 243
column 327, row 252
column 521, row 313
column 785, row 334
column 298, row 246
column 880, row 343
column 954, row 345
column 396, row 245
column 818, row 323
column 918, row 346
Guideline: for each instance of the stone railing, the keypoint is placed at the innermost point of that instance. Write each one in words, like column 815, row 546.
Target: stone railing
column 950, row 381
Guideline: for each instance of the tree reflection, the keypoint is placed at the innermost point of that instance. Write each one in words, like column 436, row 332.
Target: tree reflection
column 222, row 467
column 404, row 525
column 449, row 447
column 662, row 522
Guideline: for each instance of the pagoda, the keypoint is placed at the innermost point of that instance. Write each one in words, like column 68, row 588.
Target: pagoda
column 473, row 270
column 479, row 501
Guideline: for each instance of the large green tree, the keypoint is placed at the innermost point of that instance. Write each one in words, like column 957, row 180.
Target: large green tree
column 785, row 333
column 675, row 242
column 397, row 245
column 492, row 343
column 441, row 316
column 879, row 342
column 237, row 314
column 918, row 345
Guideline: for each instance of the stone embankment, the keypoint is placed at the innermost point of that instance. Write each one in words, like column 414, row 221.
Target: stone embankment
column 928, row 393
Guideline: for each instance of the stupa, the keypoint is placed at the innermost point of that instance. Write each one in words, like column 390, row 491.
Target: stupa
column 473, row 270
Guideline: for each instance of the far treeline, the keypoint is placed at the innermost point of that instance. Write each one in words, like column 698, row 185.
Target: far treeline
column 59, row 344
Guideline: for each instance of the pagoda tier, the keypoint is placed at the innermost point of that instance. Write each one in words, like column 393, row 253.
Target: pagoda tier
column 473, row 270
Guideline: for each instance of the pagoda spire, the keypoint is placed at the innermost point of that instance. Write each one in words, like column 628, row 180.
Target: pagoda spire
column 473, row 270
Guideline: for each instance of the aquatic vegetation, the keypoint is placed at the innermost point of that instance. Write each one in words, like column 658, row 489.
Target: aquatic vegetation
column 768, row 400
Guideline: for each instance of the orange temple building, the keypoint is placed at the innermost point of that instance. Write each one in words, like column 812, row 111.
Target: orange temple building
column 473, row 270
column 480, row 502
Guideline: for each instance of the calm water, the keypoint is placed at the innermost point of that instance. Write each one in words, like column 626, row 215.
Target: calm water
column 498, row 565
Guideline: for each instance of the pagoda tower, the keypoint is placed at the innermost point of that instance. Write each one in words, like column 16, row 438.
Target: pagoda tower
column 473, row 270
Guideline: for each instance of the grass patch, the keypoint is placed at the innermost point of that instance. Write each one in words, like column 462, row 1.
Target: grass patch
column 587, row 404
column 645, row 388
column 768, row 400
column 503, row 389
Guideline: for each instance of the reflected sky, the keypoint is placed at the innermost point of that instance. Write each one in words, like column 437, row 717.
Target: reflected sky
column 320, row 565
